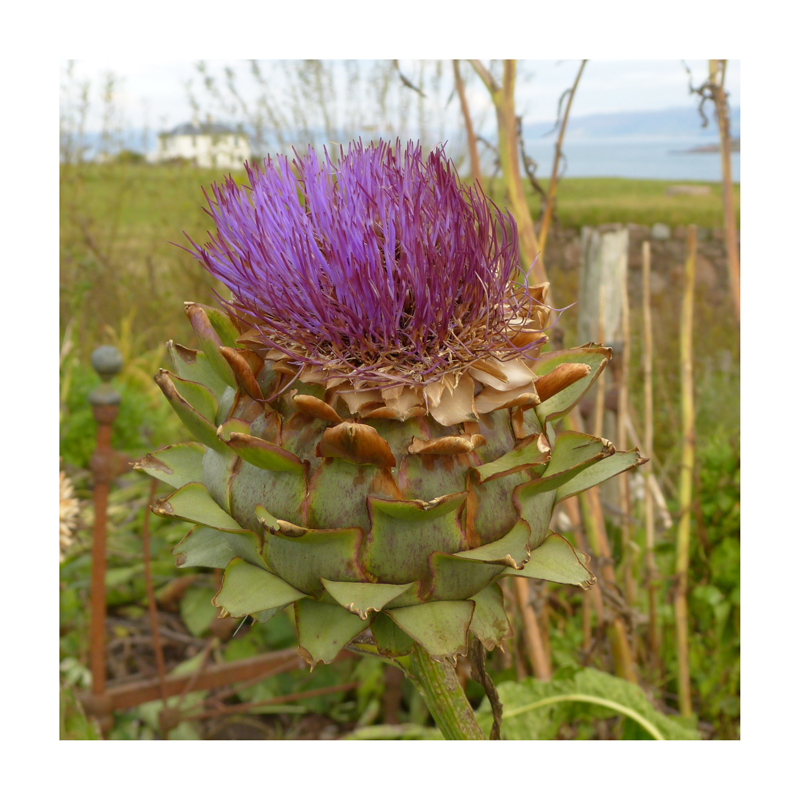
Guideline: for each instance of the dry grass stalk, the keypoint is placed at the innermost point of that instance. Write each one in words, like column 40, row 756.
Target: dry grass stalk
column 591, row 598
column 622, row 444
column 600, row 396
column 531, row 633
column 649, row 517
column 513, row 644
column 472, row 141
column 551, row 189
column 685, row 486
column 508, row 151
column 716, row 77
column 597, row 538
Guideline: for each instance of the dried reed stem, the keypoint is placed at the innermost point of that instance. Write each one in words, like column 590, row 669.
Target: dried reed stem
column 649, row 518
column 592, row 597
column 472, row 141
column 595, row 527
column 508, row 151
column 685, row 486
column 600, row 397
column 716, row 77
column 622, row 444
column 551, row 189
column 531, row 632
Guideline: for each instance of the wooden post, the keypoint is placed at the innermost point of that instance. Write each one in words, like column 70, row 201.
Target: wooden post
column 604, row 262
column 602, row 283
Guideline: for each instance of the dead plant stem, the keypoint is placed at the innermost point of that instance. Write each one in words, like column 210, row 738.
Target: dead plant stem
column 685, row 484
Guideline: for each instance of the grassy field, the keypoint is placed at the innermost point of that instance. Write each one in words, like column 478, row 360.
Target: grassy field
column 596, row 201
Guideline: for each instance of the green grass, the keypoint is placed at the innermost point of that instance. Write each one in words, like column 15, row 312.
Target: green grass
column 597, row 201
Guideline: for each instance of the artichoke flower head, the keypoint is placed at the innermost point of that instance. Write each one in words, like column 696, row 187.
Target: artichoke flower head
column 372, row 411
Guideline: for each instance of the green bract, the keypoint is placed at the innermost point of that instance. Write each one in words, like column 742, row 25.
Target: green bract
column 385, row 510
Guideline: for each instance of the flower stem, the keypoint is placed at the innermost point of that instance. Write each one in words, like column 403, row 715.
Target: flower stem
column 438, row 683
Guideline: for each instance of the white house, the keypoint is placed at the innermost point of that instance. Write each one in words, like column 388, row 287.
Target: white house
column 208, row 145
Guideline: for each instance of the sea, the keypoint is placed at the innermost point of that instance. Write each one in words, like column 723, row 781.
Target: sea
column 654, row 157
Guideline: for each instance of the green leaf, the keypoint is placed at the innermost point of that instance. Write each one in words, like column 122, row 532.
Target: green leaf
column 535, row 508
column 529, row 456
column 456, row 578
column 281, row 494
column 177, row 464
column 192, row 365
column 599, row 472
column 193, row 503
column 218, row 471
column 440, row 627
column 573, row 452
column 489, row 622
column 511, row 551
column 389, row 638
column 495, row 513
column 197, row 609
column 302, row 556
column 324, row 629
column 404, row 534
column 565, row 400
column 247, row 589
column 203, row 319
column 258, row 452
column 535, row 709
column 203, row 547
column 556, row 560
column 363, row 598
column 222, row 325
column 199, row 397
column 198, row 425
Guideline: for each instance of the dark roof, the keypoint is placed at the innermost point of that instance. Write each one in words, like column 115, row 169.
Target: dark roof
column 189, row 129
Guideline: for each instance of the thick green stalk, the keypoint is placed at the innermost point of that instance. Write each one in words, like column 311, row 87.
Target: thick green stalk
column 444, row 696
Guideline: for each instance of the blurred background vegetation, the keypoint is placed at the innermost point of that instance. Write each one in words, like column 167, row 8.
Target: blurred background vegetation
column 123, row 281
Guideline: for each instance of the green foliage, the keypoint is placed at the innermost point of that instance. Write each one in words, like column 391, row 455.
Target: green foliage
column 74, row 723
column 714, row 600
column 141, row 426
column 534, row 709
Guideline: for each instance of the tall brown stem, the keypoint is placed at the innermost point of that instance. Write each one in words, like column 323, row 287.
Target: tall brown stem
column 551, row 189
column 649, row 517
column 472, row 142
column 685, row 486
column 716, row 76
column 508, row 151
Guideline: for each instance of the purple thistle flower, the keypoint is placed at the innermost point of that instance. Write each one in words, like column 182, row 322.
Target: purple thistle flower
column 381, row 266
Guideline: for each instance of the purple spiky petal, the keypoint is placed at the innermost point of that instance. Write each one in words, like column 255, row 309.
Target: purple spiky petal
column 382, row 263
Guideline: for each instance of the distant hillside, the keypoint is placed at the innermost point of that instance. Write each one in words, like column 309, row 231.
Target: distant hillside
column 664, row 122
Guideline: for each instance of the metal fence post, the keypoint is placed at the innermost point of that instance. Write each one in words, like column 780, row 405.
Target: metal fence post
column 105, row 465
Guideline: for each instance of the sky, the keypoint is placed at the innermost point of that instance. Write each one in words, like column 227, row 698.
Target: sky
column 153, row 93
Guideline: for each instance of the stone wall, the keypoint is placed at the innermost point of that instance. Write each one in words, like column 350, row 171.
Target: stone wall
column 668, row 253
